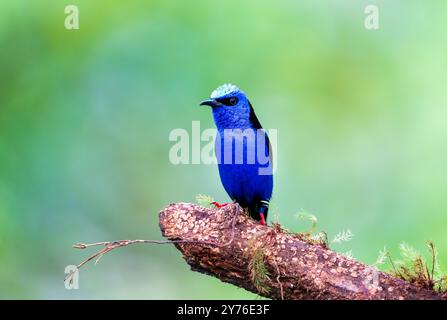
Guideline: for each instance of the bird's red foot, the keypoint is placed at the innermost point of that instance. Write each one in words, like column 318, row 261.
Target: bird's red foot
column 262, row 219
column 219, row 205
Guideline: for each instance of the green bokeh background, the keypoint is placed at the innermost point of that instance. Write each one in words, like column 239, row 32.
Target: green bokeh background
column 85, row 117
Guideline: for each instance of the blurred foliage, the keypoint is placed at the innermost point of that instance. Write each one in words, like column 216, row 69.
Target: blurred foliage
column 85, row 117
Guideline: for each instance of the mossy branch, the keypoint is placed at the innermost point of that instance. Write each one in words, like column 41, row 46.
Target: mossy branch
column 273, row 262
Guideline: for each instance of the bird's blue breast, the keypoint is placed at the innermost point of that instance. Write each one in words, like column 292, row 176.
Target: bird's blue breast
column 243, row 161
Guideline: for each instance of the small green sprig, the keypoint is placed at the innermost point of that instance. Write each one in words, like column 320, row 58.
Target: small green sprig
column 204, row 200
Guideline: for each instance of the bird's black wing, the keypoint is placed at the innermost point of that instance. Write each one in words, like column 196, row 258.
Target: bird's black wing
column 253, row 119
column 257, row 125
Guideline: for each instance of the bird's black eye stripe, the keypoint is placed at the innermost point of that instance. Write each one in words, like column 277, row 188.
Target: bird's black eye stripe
column 232, row 101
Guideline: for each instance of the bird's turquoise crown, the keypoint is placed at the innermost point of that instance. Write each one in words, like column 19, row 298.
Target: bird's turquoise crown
column 224, row 90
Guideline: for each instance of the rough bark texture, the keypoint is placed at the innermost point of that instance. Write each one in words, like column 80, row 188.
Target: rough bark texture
column 297, row 269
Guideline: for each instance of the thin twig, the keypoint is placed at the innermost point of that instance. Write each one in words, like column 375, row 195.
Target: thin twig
column 279, row 282
column 233, row 226
column 110, row 245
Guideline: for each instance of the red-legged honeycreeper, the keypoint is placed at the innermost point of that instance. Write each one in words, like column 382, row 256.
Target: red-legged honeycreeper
column 243, row 151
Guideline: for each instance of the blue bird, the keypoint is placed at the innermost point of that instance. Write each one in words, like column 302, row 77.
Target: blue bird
column 243, row 151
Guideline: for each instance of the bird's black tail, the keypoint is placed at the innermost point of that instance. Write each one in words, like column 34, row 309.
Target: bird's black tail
column 260, row 207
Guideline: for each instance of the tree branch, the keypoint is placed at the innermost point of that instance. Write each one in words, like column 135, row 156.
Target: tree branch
column 223, row 242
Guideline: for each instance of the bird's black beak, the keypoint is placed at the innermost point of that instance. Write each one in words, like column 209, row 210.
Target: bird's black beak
column 209, row 102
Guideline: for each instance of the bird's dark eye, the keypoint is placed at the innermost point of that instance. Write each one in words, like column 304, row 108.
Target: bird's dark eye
column 232, row 101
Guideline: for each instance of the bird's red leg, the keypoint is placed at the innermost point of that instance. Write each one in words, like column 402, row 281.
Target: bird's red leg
column 219, row 205
column 262, row 219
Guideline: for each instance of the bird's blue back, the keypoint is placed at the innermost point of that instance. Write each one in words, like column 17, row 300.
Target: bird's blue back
column 241, row 177
column 243, row 151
